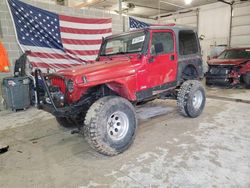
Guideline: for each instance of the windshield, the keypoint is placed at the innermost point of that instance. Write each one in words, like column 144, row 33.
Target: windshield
column 130, row 43
column 235, row 54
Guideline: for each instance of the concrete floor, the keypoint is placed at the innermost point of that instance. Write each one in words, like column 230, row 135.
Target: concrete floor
column 212, row 150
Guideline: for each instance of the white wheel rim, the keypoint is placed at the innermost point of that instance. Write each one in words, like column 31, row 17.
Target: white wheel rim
column 117, row 125
column 197, row 99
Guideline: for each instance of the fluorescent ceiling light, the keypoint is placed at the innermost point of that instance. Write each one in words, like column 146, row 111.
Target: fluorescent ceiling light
column 188, row 2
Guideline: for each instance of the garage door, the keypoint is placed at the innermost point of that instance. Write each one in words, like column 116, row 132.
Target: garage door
column 241, row 26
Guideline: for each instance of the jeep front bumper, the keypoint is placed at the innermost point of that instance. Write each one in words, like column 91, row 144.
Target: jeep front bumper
column 55, row 103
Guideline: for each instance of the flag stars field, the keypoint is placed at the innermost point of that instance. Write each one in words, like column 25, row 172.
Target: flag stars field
column 57, row 41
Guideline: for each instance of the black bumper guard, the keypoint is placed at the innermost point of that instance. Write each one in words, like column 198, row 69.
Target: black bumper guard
column 67, row 111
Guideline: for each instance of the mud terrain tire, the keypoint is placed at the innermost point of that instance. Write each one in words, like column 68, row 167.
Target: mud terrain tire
column 191, row 99
column 110, row 125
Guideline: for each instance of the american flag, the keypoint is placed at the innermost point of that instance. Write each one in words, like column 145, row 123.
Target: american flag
column 57, row 41
column 136, row 24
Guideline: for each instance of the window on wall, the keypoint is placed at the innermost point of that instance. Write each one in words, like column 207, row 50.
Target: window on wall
column 188, row 43
column 165, row 39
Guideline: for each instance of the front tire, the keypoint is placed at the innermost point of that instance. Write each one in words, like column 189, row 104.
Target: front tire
column 191, row 99
column 110, row 125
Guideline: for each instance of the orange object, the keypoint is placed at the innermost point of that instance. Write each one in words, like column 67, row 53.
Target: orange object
column 4, row 61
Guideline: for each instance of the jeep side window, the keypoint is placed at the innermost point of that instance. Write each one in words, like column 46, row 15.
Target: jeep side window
column 162, row 43
column 188, row 43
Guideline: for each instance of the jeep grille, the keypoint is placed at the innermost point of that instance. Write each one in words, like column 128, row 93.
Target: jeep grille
column 59, row 82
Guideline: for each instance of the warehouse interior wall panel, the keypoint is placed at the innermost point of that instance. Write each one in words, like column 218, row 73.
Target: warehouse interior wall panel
column 214, row 24
column 188, row 19
column 241, row 30
column 241, row 41
column 241, row 20
column 241, row 25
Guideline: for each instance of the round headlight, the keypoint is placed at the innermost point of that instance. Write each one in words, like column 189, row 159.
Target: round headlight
column 70, row 86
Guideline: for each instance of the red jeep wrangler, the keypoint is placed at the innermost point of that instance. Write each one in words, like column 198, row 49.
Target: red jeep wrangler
column 131, row 68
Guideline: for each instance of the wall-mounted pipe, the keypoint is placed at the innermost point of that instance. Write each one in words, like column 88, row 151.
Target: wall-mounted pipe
column 230, row 26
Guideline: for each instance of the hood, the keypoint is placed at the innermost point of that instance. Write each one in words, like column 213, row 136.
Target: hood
column 101, row 70
column 226, row 61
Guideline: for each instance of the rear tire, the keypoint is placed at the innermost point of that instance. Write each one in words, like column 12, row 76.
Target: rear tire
column 191, row 99
column 110, row 125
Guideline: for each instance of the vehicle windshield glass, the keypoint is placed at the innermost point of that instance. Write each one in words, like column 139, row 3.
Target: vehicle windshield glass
column 130, row 43
column 235, row 54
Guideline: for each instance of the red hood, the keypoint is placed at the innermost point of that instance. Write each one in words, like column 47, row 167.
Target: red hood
column 226, row 61
column 101, row 70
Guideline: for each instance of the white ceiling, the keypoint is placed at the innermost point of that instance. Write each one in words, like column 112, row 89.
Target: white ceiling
column 142, row 8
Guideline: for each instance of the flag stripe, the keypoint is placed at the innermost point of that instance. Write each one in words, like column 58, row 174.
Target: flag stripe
column 84, row 26
column 82, row 47
column 81, row 52
column 81, row 42
column 87, row 57
column 53, row 61
column 86, row 20
column 82, row 57
column 83, row 37
column 50, row 55
column 42, row 49
column 46, row 65
column 85, row 31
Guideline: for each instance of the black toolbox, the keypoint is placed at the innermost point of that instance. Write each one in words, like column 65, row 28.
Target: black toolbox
column 16, row 92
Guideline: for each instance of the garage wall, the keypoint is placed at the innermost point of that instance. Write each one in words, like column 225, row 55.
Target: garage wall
column 214, row 24
column 7, row 34
column 189, row 19
column 211, row 20
column 241, row 25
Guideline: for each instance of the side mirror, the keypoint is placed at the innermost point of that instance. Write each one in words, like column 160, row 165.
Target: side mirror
column 158, row 48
